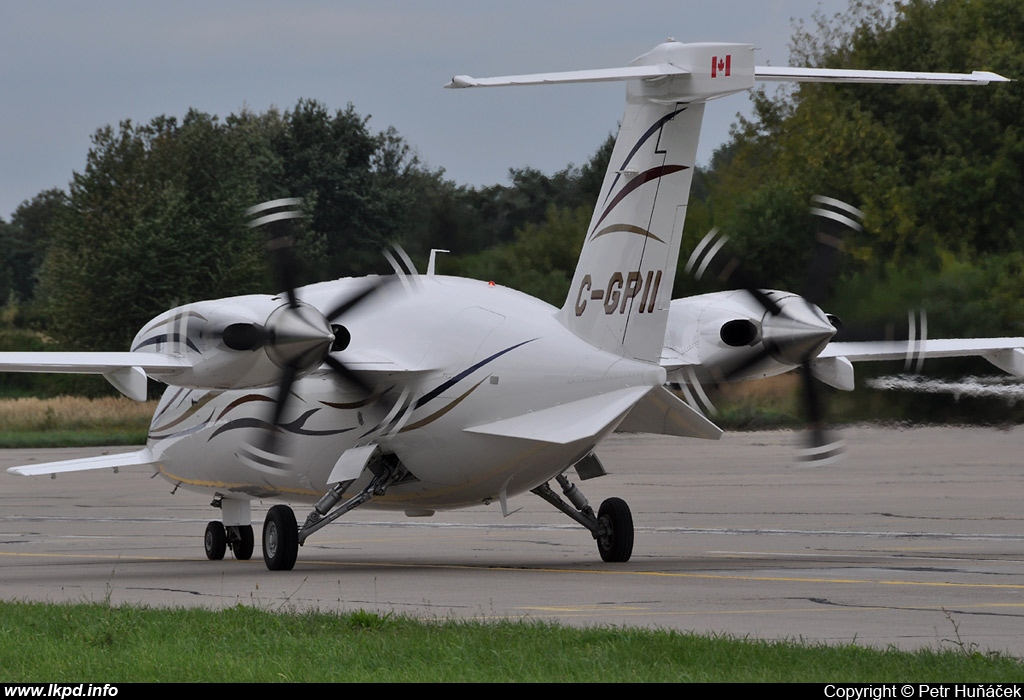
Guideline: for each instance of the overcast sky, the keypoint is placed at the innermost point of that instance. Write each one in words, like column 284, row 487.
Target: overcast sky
column 67, row 68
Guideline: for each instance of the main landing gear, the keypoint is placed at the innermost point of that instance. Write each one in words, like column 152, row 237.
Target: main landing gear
column 281, row 534
column 612, row 527
column 280, row 539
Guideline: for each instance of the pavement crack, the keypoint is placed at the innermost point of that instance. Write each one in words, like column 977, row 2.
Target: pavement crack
column 165, row 590
column 860, row 606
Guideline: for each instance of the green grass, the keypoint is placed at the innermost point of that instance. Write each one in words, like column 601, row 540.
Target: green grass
column 99, row 643
column 72, row 438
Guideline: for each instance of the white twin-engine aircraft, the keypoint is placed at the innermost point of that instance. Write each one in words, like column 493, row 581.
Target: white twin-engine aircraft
column 436, row 392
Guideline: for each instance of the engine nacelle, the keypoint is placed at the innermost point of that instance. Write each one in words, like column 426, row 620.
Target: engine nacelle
column 719, row 335
column 238, row 342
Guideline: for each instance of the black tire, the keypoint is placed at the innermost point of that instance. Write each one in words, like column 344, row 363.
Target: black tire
column 243, row 547
column 615, row 531
column 280, row 539
column 215, row 541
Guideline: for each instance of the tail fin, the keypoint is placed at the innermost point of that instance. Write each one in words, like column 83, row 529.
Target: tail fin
column 622, row 287
column 621, row 291
column 619, row 296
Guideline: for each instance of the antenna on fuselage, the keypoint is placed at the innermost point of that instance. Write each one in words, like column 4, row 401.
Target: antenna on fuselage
column 433, row 259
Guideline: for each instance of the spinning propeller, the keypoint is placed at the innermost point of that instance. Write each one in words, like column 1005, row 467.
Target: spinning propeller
column 297, row 337
column 793, row 330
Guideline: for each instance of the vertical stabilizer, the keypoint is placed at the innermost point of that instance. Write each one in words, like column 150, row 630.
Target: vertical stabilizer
column 622, row 287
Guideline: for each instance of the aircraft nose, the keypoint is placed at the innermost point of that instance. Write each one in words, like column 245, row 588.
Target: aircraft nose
column 799, row 333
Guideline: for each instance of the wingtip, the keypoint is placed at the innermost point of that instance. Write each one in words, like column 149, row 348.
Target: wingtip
column 990, row 77
column 460, row 81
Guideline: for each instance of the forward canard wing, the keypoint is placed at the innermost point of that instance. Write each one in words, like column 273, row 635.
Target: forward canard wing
column 141, row 458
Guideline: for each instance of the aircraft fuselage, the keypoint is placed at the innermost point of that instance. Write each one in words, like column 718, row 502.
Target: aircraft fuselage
column 468, row 354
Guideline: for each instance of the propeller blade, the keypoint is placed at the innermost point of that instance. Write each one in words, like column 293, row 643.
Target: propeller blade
column 298, row 337
column 354, row 301
column 284, row 390
column 794, row 330
column 347, row 374
column 823, row 446
column 705, row 252
column 268, row 450
column 835, row 218
column 277, row 216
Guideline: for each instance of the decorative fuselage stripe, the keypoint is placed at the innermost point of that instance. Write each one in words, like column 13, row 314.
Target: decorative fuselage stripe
column 243, row 400
column 643, row 139
column 437, row 414
column 438, row 390
column 296, row 427
column 640, row 179
column 629, row 228
column 182, row 433
column 240, row 487
column 195, row 408
column 441, row 388
column 176, row 337
column 358, row 404
column 166, row 338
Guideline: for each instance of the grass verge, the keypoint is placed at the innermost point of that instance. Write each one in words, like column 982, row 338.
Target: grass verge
column 73, row 421
column 100, row 643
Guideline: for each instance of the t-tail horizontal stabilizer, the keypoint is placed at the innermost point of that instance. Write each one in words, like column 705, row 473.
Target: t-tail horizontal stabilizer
column 699, row 64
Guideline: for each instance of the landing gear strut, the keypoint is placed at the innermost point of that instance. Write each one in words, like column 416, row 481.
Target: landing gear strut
column 281, row 534
column 612, row 527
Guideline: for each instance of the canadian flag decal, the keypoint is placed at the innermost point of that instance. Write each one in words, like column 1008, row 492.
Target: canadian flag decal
column 721, row 65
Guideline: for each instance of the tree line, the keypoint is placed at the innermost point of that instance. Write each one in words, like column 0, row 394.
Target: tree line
column 937, row 170
column 154, row 218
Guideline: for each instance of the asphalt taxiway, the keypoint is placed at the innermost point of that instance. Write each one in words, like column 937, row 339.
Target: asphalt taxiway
column 915, row 540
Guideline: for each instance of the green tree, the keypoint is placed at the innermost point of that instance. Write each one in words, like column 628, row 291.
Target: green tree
column 541, row 259
column 936, row 169
column 156, row 217
column 153, row 220
column 24, row 243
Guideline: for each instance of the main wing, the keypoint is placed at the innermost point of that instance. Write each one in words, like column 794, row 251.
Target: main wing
column 127, row 371
column 1005, row 353
column 834, row 365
